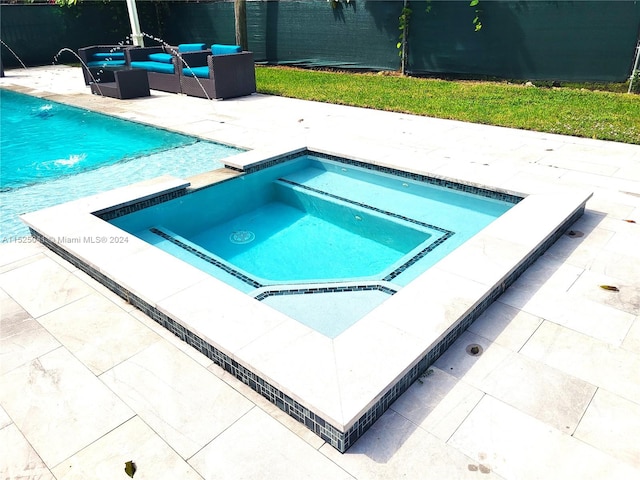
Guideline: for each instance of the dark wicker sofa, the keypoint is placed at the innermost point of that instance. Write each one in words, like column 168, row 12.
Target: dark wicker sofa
column 99, row 62
column 161, row 66
column 223, row 72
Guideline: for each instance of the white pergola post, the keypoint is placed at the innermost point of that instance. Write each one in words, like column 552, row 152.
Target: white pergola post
column 136, row 34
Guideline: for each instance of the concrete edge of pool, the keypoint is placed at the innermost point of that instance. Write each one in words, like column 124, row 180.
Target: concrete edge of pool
column 336, row 387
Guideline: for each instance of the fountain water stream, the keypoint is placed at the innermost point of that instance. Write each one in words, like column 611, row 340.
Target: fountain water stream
column 177, row 54
column 14, row 54
column 56, row 58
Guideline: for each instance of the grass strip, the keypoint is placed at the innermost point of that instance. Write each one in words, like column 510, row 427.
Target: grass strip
column 569, row 111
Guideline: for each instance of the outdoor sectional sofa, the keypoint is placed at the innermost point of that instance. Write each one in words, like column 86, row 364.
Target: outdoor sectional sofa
column 224, row 71
column 161, row 64
column 99, row 61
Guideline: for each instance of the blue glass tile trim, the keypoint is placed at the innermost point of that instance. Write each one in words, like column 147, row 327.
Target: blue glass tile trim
column 327, row 289
column 338, row 439
column 507, row 197
column 115, row 212
column 270, row 163
column 421, row 254
column 207, row 258
column 364, row 205
column 112, row 213
column 447, row 233
column 256, row 284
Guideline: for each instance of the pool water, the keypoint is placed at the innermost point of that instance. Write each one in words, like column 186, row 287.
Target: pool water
column 315, row 221
column 42, row 140
column 52, row 153
column 318, row 241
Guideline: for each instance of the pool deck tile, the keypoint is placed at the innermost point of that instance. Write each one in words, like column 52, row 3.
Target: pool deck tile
column 102, row 339
column 395, row 447
column 632, row 340
column 17, row 454
column 22, row 338
column 505, row 325
column 513, row 444
column 473, row 369
column 608, row 423
column 232, row 327
column 42, row 286
column 558, row 351
column 592, row 360
column 185, row 420
column 438, row 402
column 60, row 397
column 549, row 395
column 259, row 437
column 134, row 440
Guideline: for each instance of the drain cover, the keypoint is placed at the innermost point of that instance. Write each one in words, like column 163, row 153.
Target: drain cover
column 242, row 236
column 474, row 349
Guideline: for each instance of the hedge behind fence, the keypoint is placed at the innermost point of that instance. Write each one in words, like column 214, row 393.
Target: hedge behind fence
column 528, row 39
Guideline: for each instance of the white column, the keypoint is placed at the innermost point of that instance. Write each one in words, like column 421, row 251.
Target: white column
column 136, row 35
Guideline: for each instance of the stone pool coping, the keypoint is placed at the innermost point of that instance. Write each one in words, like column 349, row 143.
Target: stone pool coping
column 339, row 386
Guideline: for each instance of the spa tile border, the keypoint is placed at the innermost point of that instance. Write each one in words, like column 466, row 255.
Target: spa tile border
column 255, row 283
column 441, row 182
column 207, row 258
column 324, row 289
column 340, row 440
column 113, row 212
column 447, row 234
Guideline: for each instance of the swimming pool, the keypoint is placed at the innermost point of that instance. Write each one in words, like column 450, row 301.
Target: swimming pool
column 336, row 386
column 52, row 153
column 317, row 220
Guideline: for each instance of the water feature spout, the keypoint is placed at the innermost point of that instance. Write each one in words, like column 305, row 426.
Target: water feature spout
column 14, row 54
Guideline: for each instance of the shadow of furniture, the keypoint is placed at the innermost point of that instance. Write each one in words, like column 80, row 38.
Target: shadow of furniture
column 127, row 84
column 99, row 61
column 216, row 75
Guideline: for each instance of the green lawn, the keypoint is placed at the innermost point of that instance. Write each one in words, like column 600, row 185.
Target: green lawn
column 569, row 111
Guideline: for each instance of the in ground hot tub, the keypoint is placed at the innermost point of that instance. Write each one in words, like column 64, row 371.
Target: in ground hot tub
column 355, row 232
column 332, row 347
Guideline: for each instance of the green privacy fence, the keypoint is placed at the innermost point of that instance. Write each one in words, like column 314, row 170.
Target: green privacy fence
column 563, row 40
column 37, row 32
column 528, row 39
